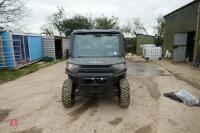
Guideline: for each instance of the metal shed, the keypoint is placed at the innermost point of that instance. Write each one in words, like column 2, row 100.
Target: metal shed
column 55, row 47
column 18, row 50
column 181, row 32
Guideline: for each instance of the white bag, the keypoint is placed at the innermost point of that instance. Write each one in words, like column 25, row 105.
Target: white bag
column 187, row 98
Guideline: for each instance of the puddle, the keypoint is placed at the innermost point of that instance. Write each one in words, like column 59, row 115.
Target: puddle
column 146, row 72
column 30, row 130
column 78, row 112
column 116, row 121
column 3, row 114
column 152, row 88
column 145, row 129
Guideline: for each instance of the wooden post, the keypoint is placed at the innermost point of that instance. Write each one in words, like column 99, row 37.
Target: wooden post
column 197, row 38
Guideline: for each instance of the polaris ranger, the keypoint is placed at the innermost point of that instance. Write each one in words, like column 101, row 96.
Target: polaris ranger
column 96, row 67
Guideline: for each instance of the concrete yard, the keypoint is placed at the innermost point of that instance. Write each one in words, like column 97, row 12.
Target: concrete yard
column 34, row 101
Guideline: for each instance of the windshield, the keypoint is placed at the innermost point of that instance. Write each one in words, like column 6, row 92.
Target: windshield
column 96, row 45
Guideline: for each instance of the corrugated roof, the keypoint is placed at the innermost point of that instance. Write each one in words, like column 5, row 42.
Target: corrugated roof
column 193, row 2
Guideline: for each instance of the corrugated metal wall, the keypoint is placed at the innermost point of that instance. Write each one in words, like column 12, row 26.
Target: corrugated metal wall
column 184, row 20
column 49, row 46
column 179, row 49
column 179, row 54
column 180, row 39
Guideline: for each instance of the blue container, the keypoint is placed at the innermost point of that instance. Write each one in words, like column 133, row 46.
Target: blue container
column 20, row 49
column 7, row 61
column 35, row 47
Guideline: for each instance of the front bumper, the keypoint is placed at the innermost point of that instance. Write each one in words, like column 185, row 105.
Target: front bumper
column 88, row 84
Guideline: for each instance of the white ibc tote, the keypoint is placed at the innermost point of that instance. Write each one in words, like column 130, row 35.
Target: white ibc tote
column 145, row 46
column 152, row 53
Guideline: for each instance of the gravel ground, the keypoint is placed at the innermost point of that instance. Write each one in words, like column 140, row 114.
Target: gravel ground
column 34, row 101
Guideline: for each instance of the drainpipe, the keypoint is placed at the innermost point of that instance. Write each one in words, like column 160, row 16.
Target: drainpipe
column 197, row 38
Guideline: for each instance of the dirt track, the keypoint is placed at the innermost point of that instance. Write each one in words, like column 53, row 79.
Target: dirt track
column 34, row 101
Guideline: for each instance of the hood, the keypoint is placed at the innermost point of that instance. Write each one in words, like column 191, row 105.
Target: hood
column 97, row 61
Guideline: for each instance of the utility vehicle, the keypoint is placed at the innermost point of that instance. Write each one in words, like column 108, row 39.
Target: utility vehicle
column 96, row 67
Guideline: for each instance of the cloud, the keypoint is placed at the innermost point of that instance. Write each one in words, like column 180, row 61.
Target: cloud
column 146, row 10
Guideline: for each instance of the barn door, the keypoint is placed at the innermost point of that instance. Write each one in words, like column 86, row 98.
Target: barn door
column 179, row 48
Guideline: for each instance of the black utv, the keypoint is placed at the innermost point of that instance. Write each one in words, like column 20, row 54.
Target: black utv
column 96, row 67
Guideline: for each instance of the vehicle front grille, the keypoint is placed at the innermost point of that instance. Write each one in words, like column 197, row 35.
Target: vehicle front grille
column 95, row 69
column 95, row 66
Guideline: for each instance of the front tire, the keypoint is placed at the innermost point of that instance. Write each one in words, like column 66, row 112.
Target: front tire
column 68, row 98
column 124, row 93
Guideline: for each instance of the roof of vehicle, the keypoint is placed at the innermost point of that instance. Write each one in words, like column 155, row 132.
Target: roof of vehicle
column 96, row 31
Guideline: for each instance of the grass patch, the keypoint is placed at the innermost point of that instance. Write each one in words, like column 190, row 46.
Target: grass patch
column 9, row 75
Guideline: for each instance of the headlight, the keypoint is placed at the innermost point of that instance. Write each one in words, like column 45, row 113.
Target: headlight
column 72, row 66
column 119, row 66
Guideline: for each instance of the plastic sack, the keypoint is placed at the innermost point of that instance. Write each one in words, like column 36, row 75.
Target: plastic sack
column 187, row 98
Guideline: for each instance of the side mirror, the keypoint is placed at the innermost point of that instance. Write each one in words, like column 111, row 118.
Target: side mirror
column 67, row 53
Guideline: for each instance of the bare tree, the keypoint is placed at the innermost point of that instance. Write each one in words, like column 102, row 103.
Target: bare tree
column 135, row 27
column 54, row 24
column 11, row 11
column 159, row 30
column 56, row 20
column 47, row 29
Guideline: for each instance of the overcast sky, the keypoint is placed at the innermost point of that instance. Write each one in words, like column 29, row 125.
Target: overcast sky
column 146, row 10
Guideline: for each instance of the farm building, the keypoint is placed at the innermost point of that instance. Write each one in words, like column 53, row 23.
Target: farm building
column 142, row 40
column 55, row 47
column 182, row 32
column 18, row 50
